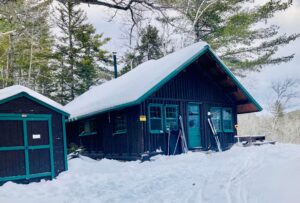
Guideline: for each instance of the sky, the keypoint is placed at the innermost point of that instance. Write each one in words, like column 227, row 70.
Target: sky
column 257, row 83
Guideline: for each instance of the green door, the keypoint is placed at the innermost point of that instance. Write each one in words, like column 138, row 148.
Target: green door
column 26, row 149
column 40, row 152
column 194, row 126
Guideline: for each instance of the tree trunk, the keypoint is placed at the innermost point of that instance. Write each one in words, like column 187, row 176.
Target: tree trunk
column 71, row 57
column 30, row 59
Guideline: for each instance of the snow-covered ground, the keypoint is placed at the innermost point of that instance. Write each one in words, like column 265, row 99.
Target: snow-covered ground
column 268, row 173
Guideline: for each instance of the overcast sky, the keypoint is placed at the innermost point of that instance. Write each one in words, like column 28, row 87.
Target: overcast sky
column 257, row 83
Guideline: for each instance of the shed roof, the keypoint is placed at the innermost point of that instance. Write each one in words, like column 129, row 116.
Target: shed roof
column 9, row 93
column 135, row 86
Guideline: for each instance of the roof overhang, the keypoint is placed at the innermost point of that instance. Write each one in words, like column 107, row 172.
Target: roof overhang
column 244, row 101
column 24, row 94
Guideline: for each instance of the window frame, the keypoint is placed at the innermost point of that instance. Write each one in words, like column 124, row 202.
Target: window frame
column 231, row 120
column 221, row 109
column 176, row 117
column 161, row 131
column 123, row 131
column 221, row 118
column 83, row 133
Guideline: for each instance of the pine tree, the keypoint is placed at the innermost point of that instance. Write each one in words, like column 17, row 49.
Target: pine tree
column 91, row 66
column 80, row 59
column 28, row 43
column 239, row 33
column 130, row 61
column 69, row 21
column 149, row 47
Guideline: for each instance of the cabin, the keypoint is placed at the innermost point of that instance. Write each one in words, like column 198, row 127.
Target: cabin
column 32, row 136
column 134, row 116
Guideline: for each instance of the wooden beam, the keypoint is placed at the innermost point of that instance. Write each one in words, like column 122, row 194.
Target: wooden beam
column 242, row 102
column 231, row 89
column 219, row 78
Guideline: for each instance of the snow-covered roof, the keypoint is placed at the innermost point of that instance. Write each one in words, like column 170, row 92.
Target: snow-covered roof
column 14, row 90
column 136, row 85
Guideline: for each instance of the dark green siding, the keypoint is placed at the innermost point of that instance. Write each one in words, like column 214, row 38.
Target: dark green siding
column 24, row 105
column 194, row 84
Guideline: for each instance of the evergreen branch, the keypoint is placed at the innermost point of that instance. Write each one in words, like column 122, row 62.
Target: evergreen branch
column 272, row 44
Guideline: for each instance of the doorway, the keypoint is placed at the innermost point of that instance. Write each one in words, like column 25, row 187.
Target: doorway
column 26, row 149
column 194, row 126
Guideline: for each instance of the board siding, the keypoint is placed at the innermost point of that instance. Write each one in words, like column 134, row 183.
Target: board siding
column 193, row 84
column 23, row 105
column 190, row 86
column 107, row 144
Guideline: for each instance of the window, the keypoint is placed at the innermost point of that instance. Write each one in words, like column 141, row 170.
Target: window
column 216, row 118
column 88, row 128
column 222, row 119
column 155, row 118
column 227, row 120
column 171, row 117
column 120, row 124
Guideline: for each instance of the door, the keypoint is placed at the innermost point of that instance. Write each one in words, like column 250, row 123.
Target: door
column 39, row 147
column 193, row 120
column 26, row 149
column 12, row 156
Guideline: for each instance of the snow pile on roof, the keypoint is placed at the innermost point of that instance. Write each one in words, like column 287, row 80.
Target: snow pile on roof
column 131, row 86
column 263, row 174
column 17, row 89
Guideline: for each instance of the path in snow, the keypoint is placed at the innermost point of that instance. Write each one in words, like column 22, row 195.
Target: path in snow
column 241, row 175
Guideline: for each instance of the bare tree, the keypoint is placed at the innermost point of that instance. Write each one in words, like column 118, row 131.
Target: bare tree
column 285, row 91
column 136, row 8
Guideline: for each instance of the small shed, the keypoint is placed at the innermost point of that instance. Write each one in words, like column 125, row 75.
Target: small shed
column 133, row 115
column 32, row 136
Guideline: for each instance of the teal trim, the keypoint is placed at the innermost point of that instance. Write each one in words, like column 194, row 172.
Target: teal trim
column 38, row 119
column 231, row 121
column 39, row 147
column 23, row 147
column 218, row 109
column 153, row 89
column 11, row 119
column 149, row 120
column 27, row 164
column 24, row 94
column 51, row 149
column 14, row 116
column 12, row 178
column 25, row 118
column 120, row 132
column 194, row 132
column 221, row 121
column 12, row 148
column 37, row 175
column 173, row 74
column 170, row 76
column 65, row 142
column 176, row 117
column 87, row 134
column 230, row 74
column 120, row 124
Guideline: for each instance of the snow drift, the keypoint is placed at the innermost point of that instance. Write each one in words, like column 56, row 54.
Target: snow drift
column 255, row 174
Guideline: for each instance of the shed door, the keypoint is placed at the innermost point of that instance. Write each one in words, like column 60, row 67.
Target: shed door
column 194, row 140
column 39, row 152
column 12, row 156
column 25, row 147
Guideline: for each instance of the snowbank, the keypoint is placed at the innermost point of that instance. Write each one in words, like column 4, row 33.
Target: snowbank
column 255, row 174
